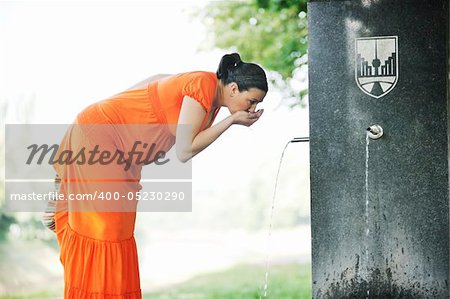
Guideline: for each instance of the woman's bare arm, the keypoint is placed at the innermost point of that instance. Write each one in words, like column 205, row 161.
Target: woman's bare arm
column 190, row 140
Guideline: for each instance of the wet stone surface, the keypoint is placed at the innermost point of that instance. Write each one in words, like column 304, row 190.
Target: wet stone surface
column 379, row 215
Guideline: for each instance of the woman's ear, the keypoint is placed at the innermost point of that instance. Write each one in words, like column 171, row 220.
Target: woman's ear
column 234, row 89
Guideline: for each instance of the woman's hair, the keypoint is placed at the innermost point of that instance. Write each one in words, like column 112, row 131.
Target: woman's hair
column 246, row 75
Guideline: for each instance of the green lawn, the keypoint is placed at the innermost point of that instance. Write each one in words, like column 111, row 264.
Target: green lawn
column 40, row 295
column 244, row 282
column 240, row 282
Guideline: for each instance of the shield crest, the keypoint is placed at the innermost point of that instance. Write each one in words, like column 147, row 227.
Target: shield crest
column 376, row 64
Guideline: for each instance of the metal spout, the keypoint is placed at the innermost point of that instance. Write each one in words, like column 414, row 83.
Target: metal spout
column 375, row 132
column 300, row 139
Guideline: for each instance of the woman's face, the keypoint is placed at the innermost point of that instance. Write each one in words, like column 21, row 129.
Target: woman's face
column 243, row 100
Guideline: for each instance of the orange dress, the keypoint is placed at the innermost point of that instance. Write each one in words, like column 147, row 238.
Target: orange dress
column 97, row 247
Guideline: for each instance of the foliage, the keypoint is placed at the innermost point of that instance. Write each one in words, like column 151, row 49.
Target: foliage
column 272, row 33
column 6, row 219
column 19, row 110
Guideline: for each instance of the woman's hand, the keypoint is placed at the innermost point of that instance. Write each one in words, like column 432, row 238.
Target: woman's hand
column 246, row 118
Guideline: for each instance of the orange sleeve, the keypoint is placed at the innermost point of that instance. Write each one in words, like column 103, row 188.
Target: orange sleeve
column 202, row 89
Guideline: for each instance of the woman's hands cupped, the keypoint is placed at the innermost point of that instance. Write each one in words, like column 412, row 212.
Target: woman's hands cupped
column 246, row 118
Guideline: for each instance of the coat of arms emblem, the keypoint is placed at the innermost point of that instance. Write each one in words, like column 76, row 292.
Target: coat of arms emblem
column 376, row 64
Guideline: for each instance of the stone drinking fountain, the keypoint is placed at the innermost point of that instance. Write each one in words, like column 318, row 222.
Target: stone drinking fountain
column 379, row 204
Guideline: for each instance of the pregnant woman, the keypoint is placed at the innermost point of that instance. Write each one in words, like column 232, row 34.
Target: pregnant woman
column 98, row 249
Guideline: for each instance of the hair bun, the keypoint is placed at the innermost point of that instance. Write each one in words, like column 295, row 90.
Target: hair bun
column 227, row 62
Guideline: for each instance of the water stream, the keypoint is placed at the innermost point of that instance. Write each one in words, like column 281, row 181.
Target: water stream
column 367, row 224
column 265, row 288
column 367, row 211
column 270, row 224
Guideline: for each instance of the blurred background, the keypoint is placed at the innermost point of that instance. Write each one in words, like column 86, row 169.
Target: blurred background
column 57, row 57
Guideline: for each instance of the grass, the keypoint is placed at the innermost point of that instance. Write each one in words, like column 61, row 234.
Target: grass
column 38, row 295
column 244, row 282
column 240, row 282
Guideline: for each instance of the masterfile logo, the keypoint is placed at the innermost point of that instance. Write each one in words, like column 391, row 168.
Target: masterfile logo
column 376, row 64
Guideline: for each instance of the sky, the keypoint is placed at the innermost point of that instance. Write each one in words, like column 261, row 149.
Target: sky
column 69, row 54
column 57, row 57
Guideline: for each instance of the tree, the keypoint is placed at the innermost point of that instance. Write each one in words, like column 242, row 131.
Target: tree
column 17, row 110
column 270, row 32
column 6, row 218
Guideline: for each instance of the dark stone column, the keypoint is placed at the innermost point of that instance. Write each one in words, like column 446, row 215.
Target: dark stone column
column 387, row 237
